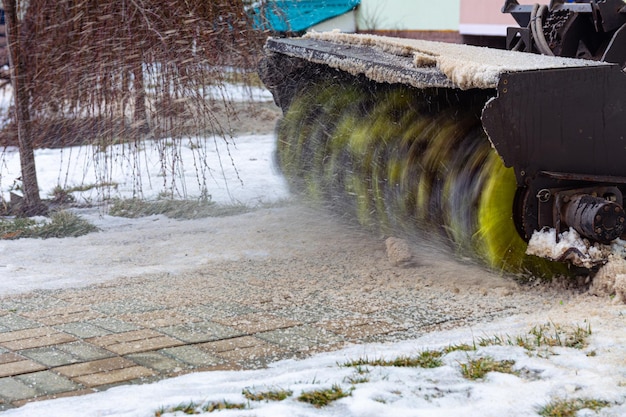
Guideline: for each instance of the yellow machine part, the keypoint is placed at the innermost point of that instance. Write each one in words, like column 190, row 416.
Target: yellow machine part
column 406, row 161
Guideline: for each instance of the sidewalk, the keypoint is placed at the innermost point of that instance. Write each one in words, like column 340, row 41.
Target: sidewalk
column 314, row 288
column 72, row 342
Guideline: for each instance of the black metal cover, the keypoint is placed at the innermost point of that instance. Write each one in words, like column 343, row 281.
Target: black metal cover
column 570, row 120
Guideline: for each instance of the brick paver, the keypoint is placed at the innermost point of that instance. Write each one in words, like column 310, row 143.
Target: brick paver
column 247, row 351
column 159, row 318
column 18, row 367
column 25, row 334
column 62, row 315
column 135, row 342
column 87, row 368
column 258, row 322
column 114, row 376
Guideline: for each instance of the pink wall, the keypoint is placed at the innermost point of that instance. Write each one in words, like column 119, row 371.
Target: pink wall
column 484, row 17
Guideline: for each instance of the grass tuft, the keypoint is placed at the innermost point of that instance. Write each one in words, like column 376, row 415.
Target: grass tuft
column 463, row 347
column 61, row 224
column 478, row 368
column 426, row 359
column 569, row 408
column 16, row 228
column 174, row 209
column 187, row 408
column 356, row 379
column 272, row 395
column 222, row 405
column 65, row 224
column 192, row 408
column 544, row 336
column 322, row 397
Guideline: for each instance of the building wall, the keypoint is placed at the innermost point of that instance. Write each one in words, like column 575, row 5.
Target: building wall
column 478, row 22
column 345, row 23
column 408, row 15
column 484, row 17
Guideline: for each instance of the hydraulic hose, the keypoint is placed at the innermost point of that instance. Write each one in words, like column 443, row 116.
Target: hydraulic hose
column 536, row 23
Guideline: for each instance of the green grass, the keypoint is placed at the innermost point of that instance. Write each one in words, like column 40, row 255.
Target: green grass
column 272, row 395
column 360, row 375
column 187, row 408
column 61, row 224
column 222, row 405
column 569, row 408
column 356, row 379
column 478, row 368
column 192, row 408
column 463, row 347
column 322, row 397
column 426, row 359
column 175, row 209
column 63, row 195
column 251, row 79
column 544, row 336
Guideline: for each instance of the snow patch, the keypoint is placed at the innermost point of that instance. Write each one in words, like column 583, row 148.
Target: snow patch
column 605, row 280
column 570, row 246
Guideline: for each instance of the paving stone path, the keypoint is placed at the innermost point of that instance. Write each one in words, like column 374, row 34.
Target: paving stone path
column 61, row 343
column 231, row 315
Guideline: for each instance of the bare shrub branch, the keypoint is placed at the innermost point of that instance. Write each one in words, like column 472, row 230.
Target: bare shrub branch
column 109, row 72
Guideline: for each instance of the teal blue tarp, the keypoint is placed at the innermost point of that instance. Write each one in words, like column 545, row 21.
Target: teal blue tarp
column 298, row 15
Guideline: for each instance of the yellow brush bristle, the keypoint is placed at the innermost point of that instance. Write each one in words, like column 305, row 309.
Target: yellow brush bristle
column 406, row 161
column 497, row 239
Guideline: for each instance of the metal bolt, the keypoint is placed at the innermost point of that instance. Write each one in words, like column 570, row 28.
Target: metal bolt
column 598, row 230
column 598, row 217
column 544, row 195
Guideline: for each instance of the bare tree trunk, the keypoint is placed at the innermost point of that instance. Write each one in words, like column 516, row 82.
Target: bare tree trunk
column 31, row 203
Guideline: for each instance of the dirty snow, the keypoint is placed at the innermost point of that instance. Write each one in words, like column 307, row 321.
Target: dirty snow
column 569, row 244
column 466, row 66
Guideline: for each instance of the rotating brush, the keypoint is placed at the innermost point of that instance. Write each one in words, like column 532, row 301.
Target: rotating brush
column 407, row 161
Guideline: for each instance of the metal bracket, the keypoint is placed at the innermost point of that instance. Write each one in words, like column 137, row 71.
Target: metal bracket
column 515, row 35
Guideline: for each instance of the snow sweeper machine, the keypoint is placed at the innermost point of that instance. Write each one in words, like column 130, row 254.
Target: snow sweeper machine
column 516, row 156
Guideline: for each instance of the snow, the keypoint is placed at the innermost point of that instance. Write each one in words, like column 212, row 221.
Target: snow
column 241, row 93
column 545, row 243
column 466, row 66
column 595, row 372
column 248, row 178
column 598, row 371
